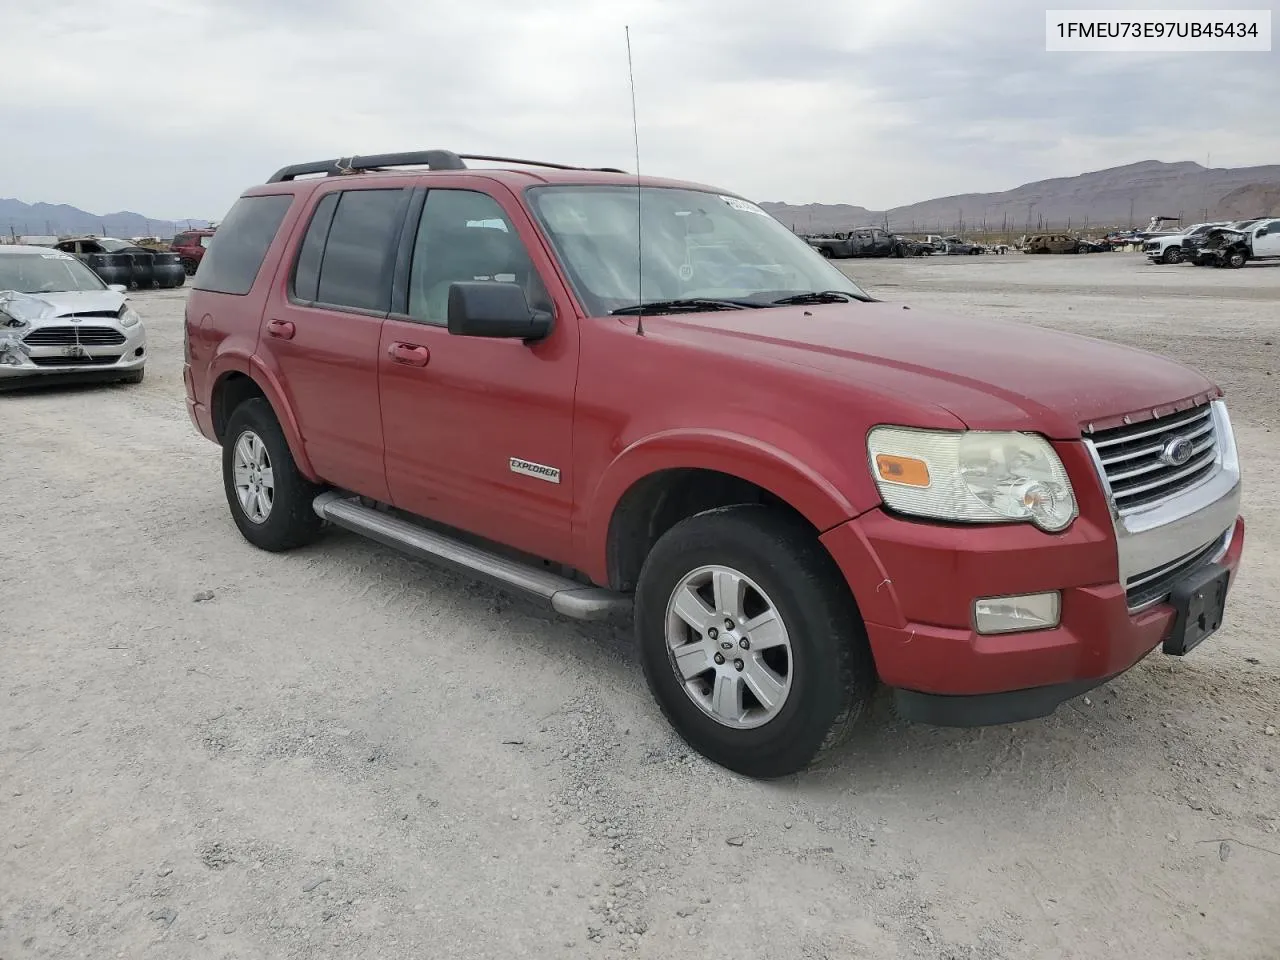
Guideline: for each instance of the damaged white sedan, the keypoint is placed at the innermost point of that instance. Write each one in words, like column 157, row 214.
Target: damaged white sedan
column 60, row 323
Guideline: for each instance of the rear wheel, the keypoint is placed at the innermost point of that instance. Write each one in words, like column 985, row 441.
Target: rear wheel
column 270, row 499
column 190, row 267
column 750, row 640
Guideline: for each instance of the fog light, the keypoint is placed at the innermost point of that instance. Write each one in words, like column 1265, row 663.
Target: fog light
column 1031, row 611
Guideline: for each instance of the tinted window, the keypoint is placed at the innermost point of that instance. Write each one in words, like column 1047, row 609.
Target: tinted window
column 181, row 240
column 306, row 274
column 231, row 265
column 353, row 270
column 464, row 235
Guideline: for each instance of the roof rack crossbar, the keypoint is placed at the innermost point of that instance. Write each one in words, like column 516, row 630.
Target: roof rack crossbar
column 431, row 159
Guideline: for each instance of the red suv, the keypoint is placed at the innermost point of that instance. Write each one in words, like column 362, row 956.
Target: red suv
column 614, row 392
column 191, row 245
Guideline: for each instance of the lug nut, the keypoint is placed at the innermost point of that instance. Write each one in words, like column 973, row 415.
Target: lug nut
column 744, row 643
column 728, row 624
column 719, row 658
column 738, row 665
column 713, row 633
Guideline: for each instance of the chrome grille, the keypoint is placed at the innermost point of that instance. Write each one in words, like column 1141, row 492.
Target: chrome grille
column 1133, row 457
column 1155, row 585
column 69, row 336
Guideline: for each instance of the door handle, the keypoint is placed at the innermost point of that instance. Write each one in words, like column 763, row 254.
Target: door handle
column 410, row 354
column 282, row 329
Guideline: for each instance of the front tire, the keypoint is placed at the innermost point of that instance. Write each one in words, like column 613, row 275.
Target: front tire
column 1236, row 260
column 270, row 499
column 1172, row 255
column 797, row 671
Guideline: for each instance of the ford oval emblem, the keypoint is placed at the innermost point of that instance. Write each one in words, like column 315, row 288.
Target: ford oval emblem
column 1177, row 451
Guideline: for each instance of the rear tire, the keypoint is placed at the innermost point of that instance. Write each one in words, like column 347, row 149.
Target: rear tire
column 270, row 503
column 826, row 664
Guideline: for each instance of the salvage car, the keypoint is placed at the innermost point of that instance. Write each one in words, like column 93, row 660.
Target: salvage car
column 796, row 490
column 954, row 247
column 863, row 242
column 1172, row 248
column 60, row 323
column 124, row 262
column 1236, row 245
column 1055, row 243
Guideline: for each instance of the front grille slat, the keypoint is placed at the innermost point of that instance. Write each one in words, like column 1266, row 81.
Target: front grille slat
column 74, row 361
column 69, row 336
column 1156, row 585
column 1131, row 457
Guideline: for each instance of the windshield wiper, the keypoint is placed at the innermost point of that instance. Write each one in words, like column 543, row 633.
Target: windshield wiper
column 689, row 305
column 824, row 296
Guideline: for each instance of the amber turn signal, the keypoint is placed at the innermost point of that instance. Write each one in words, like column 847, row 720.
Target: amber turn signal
column 905, row 470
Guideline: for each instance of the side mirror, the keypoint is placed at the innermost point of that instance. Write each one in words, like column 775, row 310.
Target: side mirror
column 492, row 308
column 117, row 288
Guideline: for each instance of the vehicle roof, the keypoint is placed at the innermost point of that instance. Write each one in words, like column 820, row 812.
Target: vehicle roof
column 517, row 179
column 19, row 248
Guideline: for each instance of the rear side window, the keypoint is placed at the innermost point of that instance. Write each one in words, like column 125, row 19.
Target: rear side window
column 231, row 265
column 355, row 265
column 306, row 274
column 182, row 240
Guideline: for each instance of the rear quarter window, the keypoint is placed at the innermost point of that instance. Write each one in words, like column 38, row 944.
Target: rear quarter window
column 231, row 264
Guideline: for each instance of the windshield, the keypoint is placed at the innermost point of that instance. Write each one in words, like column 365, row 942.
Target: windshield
column 46, row 273
column 111, row 245
column 697, row 245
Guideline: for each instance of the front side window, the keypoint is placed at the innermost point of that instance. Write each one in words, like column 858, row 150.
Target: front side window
column 690, row 244
column 465, row 235
column 46, row 273
column 232, row 264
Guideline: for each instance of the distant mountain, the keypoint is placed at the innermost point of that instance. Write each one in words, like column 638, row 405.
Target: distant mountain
column 44, row 219
column 1116, row 197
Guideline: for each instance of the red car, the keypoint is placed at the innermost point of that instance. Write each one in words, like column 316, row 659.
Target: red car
column 191, row 245
column 618, row 394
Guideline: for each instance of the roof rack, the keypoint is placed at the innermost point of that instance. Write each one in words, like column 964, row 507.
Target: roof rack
column 431, row 159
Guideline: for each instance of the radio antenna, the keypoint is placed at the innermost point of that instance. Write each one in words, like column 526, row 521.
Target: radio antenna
column 635, row 132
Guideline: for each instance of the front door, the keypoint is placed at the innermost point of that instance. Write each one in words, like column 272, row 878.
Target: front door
column 479, row 431
column 1266, row 239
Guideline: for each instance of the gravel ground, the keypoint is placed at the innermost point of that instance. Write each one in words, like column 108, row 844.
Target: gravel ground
column 210, row 751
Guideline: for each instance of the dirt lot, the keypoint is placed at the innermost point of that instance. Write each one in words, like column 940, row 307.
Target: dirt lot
column 343, row 753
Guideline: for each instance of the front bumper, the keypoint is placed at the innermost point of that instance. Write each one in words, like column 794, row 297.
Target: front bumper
column 35, row 364
column 915, row 584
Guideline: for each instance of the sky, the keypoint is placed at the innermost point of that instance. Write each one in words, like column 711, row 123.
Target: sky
column 171, row 107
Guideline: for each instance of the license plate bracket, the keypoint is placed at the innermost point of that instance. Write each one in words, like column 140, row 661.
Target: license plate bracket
column 1200, row 602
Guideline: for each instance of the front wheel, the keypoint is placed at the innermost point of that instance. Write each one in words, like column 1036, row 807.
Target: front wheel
column 270, row 499
column 1236, row 260
column 750, row 640
column 1172, row 255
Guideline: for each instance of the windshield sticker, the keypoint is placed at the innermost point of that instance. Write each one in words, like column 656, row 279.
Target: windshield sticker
column 743, row 205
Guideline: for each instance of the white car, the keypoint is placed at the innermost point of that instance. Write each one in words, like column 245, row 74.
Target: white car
column 1168, row 248
column 59, row 322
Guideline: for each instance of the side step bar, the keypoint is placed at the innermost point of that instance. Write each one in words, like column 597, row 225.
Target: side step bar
column 566, row 596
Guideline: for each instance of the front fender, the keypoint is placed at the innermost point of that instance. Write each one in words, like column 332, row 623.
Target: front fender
column 228, row 363
column 793, row 479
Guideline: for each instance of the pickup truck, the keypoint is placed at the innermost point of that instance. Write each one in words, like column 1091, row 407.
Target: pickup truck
column 867, row 242
column 1236, row 245
column 1172, row 248
column 796, row 490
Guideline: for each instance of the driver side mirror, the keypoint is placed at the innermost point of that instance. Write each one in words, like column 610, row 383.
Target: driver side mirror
column 1262, row 231
column 117, row 288
column 492, row 308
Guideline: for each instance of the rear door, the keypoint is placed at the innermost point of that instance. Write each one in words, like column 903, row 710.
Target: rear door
column 322, row 327
column 479, row 431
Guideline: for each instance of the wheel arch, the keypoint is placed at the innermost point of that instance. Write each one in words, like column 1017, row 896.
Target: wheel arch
column 244, row 380
column 655, row 484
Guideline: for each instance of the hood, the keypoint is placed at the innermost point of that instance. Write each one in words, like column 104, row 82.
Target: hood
column 991, row 374
column 29, row 307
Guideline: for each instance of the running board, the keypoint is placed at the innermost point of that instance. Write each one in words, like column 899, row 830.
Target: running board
column 566, row 596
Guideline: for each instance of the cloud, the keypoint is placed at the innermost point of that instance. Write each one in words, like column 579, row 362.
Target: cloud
column 171, row 107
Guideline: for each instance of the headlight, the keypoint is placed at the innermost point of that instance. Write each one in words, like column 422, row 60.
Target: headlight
column 971, row 476
column 129, row 316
